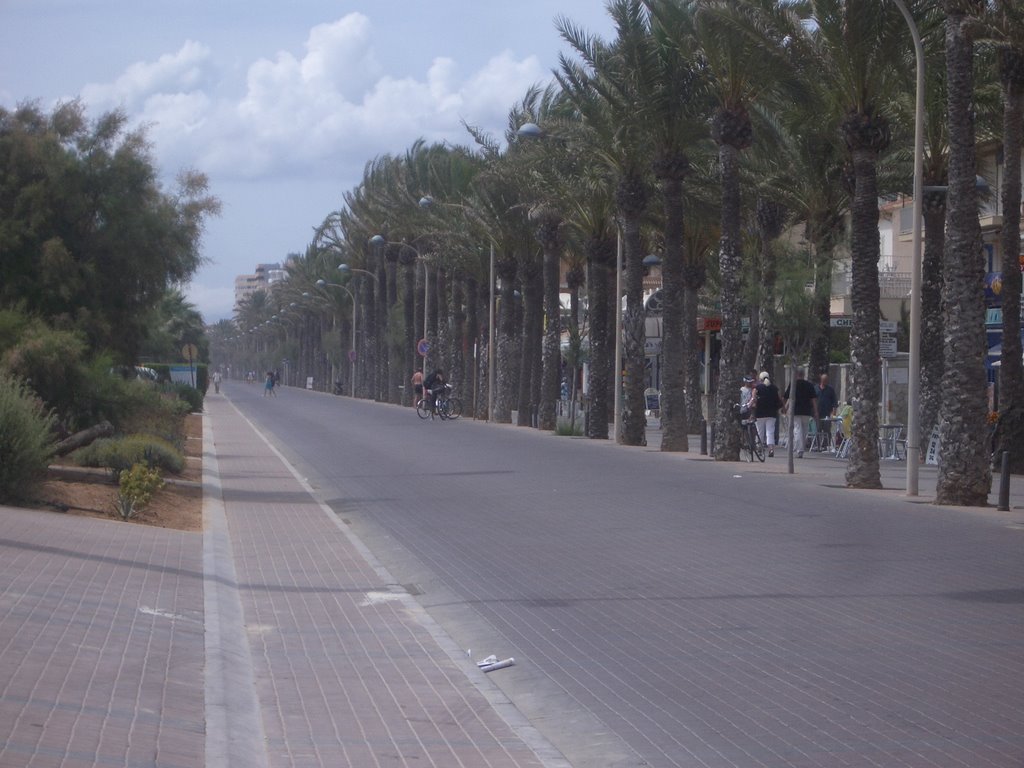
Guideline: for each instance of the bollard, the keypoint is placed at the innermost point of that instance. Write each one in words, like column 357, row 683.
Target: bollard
column 1004, row 484
column 703, row 438
column 711, row 439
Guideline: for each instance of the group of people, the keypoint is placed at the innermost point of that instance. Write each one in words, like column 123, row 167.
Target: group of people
column 761, row 397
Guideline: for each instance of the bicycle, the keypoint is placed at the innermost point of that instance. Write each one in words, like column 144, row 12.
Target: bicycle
column 445, row 406
column 751, row 437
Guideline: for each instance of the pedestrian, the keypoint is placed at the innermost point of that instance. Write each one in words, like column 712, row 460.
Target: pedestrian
column 268, row 385
column 746, row 395
column 216, row 382
column 827, row 403
column 804, row 408
column 417, row 386
column 766, row 410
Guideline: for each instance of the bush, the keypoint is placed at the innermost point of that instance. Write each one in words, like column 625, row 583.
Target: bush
column 136, row 488
column 120, row 453
column 188, row 394
column 26, row 439
column 49, row 361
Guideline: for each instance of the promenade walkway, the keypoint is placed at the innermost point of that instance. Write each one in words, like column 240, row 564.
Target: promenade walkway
column 271, row 639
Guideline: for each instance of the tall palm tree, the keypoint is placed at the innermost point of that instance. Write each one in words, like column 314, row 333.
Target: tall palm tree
column 676, row 106
column 603, row 91
column 853, row 45
column 743, row 67
column 1008, row 30
column 965, row 475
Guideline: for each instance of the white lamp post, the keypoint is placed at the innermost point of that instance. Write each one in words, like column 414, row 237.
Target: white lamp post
column 914, row 384
column 352, row 352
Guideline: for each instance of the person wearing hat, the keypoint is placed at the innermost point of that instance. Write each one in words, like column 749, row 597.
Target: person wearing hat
column 766, row 410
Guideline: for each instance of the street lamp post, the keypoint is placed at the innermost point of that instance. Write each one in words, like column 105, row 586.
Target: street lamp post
column 352, row 351
column 914, row 384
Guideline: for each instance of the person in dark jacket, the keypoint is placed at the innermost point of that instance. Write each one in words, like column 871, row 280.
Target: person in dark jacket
column 766, row 410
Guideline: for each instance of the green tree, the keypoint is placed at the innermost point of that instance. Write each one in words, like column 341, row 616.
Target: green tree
column 89, row 237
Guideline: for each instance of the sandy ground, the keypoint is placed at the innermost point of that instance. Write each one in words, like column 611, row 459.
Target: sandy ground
column 91, row 492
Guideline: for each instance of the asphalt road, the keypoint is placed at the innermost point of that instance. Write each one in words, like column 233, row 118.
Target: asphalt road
column 667, row 611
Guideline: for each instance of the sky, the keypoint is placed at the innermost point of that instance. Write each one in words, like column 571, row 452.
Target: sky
column 282, row 104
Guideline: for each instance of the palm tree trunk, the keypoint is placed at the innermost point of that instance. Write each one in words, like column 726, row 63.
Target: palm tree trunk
column 931, row 315
column 457, row 362
column 862, row 470
column 694, row 279
column 395, row 362
column 674, row 423
column 1011, row 372
column 507, row 359
column 600, row 346
column 965, row 475
column 730, row 372
column 552, row 345
column 820, row 343
column 634, row 421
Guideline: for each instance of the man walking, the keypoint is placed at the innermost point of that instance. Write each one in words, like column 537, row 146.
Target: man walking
column 803, row 409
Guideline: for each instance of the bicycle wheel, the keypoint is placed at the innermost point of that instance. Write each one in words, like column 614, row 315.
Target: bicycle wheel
column 422, row 410
column 756, row 446
column 453, row 408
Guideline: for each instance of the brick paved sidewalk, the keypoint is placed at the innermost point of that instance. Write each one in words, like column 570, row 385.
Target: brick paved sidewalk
column 348, row 670
column 272, row 639
column 101, row 643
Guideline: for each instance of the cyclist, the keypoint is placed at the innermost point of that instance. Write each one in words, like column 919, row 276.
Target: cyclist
column 433, row 386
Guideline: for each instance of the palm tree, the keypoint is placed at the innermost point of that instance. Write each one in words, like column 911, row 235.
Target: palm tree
column 603, row 91
column 740, row 47
column 676, row 105
column 852, row 47
column 965, row 475
column 1008, row 31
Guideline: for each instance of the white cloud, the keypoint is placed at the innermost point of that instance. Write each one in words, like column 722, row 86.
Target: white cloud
column 172, row 73
column 326, row 112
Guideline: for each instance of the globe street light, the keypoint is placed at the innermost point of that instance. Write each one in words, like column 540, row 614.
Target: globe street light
column 352, row 352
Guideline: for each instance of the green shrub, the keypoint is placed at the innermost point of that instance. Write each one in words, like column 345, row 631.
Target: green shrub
column 26, row 438
column 136, row 488
column 49, row 361
column 120, row 453
column 567, row 429
column 188, row 394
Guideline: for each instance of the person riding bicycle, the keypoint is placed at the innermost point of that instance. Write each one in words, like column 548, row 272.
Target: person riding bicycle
column 433, row 387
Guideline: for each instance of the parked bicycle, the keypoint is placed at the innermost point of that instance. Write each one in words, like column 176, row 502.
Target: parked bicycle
column 751, row 438
column 445, row 406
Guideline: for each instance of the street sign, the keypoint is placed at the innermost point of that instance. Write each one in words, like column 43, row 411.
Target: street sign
column 351, row 355
column 190, row 352
column 887, row 345
column 423, row 347
column 887, row 326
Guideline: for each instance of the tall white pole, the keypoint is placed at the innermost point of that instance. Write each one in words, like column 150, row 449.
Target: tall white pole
column 490, row 344
column 353, row 354
column 914, row 385
column 426, row 314
column 617, row 423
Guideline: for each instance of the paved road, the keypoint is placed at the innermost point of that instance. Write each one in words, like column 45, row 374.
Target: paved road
column 669, row 611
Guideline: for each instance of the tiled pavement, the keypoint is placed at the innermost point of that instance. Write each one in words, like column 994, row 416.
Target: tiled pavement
column 310, row 655
column 272, row 639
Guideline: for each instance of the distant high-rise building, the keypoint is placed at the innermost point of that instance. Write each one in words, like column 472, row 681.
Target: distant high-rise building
column 264, row 278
